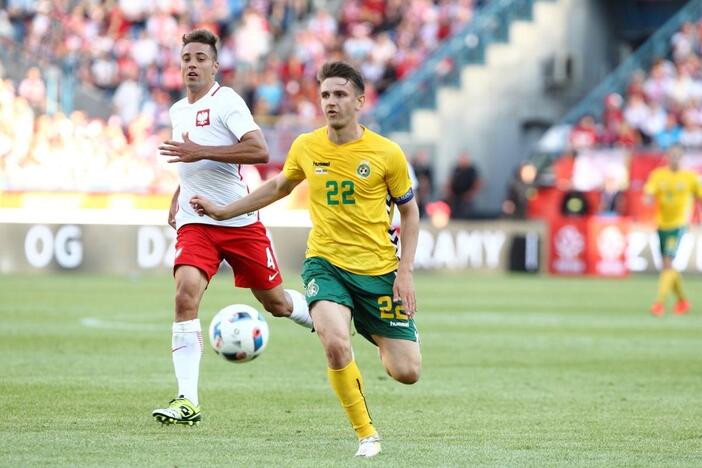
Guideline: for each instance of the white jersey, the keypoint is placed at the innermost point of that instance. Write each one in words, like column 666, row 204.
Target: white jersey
column 219, row 118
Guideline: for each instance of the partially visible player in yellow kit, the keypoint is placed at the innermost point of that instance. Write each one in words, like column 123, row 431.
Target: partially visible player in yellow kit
column 351, row 271
column 674, row 190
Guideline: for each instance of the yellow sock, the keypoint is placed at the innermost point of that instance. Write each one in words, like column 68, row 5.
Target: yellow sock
column 677, row 285
column 348, row 385
column 665, row 284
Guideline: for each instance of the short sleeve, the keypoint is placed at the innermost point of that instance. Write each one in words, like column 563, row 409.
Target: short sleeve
column 292, row 169
column 235, row 115
column 397, row 177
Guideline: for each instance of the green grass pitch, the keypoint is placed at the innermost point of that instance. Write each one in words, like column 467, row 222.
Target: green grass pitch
column 518, row 371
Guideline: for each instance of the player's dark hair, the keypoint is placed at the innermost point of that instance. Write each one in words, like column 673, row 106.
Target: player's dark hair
column 202, row 36
column 342, row 70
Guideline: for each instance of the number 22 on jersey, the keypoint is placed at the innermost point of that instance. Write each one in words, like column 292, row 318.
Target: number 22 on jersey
column 340, row 193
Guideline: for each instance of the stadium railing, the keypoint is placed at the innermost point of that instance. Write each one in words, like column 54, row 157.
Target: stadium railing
column 658, row 45
column 443, row 67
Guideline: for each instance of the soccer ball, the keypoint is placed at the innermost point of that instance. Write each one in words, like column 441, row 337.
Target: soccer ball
column 239, row 333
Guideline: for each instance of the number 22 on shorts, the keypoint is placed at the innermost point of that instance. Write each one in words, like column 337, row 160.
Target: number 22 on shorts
column 388, row 310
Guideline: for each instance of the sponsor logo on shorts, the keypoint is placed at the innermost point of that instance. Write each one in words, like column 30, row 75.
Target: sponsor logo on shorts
column 178, row 252
column 272, row 277
column 312, row 288
column 400, row 324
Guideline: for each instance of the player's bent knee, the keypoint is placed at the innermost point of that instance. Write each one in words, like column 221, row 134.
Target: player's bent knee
column 406, row 376
column 409, row 378
column 404, row 369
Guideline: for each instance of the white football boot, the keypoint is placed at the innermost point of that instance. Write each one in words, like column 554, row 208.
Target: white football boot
column 369, row 447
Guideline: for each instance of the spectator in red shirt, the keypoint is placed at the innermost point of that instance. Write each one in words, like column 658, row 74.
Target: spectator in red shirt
column 585, row 134
column 613, row 114
column 628, row 136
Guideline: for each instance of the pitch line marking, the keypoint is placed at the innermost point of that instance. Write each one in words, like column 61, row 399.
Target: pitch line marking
column 93, row 322
column 555, row 319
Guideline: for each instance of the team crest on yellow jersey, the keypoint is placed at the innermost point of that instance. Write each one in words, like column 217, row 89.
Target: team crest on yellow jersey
column 363, row 170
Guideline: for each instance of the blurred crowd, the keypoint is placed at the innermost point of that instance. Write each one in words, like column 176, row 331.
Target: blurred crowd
column 270, row 51
column 57, row 152
column 661, row 106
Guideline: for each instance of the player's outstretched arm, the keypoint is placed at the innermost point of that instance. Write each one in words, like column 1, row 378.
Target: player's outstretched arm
column 403, row 289
column 271, row 191
column 251, row 149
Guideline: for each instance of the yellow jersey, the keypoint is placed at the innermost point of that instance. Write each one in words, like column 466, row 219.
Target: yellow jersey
column 674, row 192
column 353, row 189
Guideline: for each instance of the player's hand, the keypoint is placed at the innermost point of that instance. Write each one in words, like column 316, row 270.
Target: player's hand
column 403, row 292
column 185, row 151
column 204, row 206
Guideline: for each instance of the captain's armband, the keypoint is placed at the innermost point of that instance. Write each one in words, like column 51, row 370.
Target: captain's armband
column 401, row 200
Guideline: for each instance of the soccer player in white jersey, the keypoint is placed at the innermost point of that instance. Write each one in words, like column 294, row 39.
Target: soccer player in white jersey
column 213, row 135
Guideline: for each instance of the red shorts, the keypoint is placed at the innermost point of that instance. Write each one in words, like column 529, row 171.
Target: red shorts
column 246, row 249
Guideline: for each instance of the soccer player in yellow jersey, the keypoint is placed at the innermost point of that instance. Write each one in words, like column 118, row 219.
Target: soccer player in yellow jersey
column 351, row 271
column 674, row 190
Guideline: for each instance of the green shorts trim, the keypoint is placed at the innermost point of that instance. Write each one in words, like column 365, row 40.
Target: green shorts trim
column 670, row 240
column 368, row 297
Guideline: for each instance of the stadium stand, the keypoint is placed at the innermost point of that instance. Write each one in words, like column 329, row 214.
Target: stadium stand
column 129, row 52
column 660, row 107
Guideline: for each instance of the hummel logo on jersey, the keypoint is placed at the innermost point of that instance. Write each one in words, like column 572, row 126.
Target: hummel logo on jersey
column 321, row 163
column 272, row 277
column 202, row 118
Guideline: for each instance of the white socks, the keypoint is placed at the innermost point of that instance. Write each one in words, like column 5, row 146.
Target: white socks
column 187, row 346
column 300, row 313
column 187, row 349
